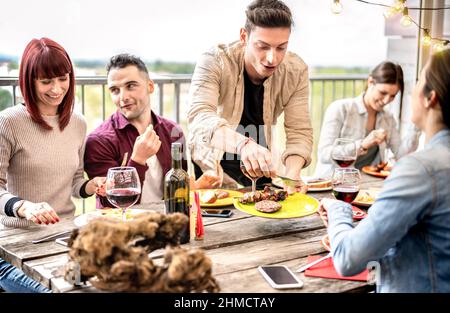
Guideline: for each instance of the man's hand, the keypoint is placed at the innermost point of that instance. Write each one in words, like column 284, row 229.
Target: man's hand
column 145, row 146
column 257, row 160
column 39, row 213
column 301, row 188
column 294, row 166
column 96, row 185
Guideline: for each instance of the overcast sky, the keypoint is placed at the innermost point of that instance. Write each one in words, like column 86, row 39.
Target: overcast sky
column 180, row 30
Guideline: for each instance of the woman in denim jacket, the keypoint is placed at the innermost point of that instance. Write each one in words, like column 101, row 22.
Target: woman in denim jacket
column 407, row 230
column 364, row 120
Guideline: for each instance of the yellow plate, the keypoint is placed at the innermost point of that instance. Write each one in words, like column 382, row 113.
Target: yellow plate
column 296, row 205
column 218, row 202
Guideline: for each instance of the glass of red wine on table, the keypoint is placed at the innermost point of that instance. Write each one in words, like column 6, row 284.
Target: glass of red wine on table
column 345, row 183
column 123, row 188
column 344, row 152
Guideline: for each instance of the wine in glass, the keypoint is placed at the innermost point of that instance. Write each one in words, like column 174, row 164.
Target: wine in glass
column 247, row 174
column 344, row 152
column 345, row 183
column 123, row 188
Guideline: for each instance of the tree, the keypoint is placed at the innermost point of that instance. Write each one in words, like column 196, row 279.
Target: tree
column 5, row 99
column 12, row 65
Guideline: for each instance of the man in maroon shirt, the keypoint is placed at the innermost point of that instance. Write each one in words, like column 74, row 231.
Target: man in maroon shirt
column 135, row 129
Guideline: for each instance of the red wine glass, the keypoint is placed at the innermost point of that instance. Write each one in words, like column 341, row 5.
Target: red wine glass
column 344, row 152
column 123, row 188
column 345, row 183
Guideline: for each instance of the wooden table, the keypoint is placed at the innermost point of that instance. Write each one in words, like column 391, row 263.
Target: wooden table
column 236, row 245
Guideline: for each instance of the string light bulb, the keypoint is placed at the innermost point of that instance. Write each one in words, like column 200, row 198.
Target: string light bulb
column 389, row 13
column 439, row 45
column 426, row 39
column 336, row 7
column 406, row 19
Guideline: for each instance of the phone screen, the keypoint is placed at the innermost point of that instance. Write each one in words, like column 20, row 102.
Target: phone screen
column 217, row 213
column 280, row 275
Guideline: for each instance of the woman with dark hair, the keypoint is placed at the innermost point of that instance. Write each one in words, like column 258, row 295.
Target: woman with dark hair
column 406, row 234
column 364, row 120
column 41, row 150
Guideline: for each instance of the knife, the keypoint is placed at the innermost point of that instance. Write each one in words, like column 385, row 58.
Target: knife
column 291, row 182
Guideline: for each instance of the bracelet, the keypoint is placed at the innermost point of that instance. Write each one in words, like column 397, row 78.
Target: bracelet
column 363, row 150
column 17, row 207
column 242, row 143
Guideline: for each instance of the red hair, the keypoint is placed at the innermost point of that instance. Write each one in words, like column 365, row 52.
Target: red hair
column 44, row 58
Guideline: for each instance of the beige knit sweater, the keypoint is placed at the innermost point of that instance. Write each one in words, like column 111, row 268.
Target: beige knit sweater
column 40, row 165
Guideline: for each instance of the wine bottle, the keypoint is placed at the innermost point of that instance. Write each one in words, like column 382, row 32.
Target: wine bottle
column 176, row 189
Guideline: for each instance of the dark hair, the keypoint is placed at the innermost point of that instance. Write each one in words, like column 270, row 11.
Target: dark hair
column 389, row 73
column 44, row 58
column 267, row 13
column 437, row 78
column 123, row 60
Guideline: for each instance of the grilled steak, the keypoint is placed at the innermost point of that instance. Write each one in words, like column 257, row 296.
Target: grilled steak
column 267, row 206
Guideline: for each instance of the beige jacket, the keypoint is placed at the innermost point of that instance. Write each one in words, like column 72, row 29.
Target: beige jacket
column 216, row 98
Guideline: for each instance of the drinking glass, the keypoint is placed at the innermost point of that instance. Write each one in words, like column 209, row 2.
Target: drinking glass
column 247, row 174
column 344, row 152
column 345, row 183
column 123, row 187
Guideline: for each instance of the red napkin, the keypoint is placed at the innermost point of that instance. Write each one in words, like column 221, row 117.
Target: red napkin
column 358, row 214
column 325, row 269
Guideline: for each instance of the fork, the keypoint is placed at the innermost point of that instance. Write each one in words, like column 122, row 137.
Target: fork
column 125, row 159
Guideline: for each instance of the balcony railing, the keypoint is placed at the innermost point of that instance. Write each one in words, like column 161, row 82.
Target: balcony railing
column 170, row 98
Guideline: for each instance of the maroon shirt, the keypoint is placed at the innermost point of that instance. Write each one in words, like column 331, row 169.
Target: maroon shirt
column 107, row 144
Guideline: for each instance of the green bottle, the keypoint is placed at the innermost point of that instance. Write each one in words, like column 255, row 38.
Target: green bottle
column 176, row 189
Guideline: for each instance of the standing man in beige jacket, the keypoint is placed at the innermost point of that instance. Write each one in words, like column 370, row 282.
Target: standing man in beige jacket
column 237, row 93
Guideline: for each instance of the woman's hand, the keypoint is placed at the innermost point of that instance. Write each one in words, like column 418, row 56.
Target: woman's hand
column 39, row 213
column 375, row 137
column 325, row 204
column 96, row 185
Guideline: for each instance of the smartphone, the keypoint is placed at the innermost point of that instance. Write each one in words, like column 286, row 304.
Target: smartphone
column 217, row 213
column 63, row 241
column 280, row 276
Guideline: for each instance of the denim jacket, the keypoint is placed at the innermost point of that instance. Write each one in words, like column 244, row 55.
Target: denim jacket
column 407, row 229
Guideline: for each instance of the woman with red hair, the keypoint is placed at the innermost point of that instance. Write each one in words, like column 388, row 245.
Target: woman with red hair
column 41, row 150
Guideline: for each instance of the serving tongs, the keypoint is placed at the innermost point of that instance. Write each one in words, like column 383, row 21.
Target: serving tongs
column 53, row 236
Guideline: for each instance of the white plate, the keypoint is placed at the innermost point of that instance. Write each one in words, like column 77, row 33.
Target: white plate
column 319, row 189
column 85, row 218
